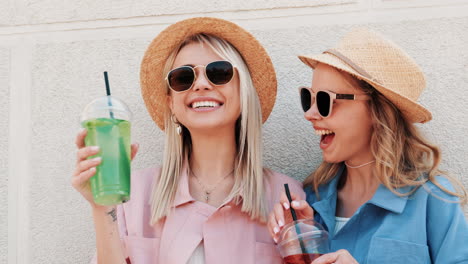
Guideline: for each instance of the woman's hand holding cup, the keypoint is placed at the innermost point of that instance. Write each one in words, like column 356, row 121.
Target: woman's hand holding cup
column 281, row 215
column 86, row 168
column 341, row 256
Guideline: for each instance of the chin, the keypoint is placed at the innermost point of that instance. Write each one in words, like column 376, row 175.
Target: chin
column 209, row 126
column 331, row 159
column 205, row 126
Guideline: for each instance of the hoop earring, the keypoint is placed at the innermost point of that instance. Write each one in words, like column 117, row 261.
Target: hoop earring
column 178, row 127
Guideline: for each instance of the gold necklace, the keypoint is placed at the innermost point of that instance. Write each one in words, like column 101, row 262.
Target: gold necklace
column 203, row 186
column 359, row 166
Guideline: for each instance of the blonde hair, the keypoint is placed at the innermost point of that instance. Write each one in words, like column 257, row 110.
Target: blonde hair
column 404, row 157
column 248, row 171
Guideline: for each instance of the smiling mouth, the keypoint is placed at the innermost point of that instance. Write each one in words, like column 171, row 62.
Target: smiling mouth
column 326, row 138
column 205, row 104
column 323, row 132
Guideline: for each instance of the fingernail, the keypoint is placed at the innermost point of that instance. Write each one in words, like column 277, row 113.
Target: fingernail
column 92, row 169
column 286, row 206
column 276, row 240
column 276, row 230
column 95, row 148
column 98, row 159
column 295, row 203
column 280, row 223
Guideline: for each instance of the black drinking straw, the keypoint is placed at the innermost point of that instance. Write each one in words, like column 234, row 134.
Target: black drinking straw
column 106, row 79
column 288, row 194
column 298, row 230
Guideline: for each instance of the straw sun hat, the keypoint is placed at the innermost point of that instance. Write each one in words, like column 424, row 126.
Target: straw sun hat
column 370, row 57
column 257, row 60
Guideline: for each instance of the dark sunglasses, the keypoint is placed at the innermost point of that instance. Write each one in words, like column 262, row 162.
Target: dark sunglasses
column 324, row 100
column 217, row 72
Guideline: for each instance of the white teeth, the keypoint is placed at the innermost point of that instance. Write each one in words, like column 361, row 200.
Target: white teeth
column 323, row 132
column 205, row 104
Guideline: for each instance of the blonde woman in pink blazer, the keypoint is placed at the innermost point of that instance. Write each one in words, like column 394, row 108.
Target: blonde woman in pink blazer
column 209, row 84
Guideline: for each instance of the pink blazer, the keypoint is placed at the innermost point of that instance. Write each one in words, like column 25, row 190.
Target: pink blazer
column 229, row 235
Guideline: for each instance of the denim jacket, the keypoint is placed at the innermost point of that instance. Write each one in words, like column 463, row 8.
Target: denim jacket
column 426, row 227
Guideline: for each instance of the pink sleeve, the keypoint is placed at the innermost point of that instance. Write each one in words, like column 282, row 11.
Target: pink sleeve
column 277, row 186
column 296, row 187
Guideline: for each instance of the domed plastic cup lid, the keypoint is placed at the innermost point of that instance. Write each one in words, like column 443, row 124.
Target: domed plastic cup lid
column 302, row 229
column 106, row 107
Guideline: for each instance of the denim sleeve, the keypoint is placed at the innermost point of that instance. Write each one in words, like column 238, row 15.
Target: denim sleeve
column 447, row 228
column 311, row 198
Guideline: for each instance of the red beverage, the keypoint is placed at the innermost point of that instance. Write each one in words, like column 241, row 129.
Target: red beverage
column 301, row 258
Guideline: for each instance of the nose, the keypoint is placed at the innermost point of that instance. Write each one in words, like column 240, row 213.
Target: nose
column 312, row 114
column 201, row 82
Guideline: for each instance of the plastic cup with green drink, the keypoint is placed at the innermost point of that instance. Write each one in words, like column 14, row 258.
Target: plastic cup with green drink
column 107, row 120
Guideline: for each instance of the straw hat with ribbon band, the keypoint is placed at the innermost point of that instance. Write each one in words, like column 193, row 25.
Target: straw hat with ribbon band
column 368, row 56
column 257, row 60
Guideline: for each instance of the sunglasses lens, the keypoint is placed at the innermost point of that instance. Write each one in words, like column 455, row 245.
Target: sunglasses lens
column 323, row 103
column 181, row 79
column 219, row 72
column 306, row 99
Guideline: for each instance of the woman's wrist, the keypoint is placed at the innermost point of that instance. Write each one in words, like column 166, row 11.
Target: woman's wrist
column 109, row 212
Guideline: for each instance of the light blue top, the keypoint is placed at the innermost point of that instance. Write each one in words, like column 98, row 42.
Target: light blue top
column 422, row 228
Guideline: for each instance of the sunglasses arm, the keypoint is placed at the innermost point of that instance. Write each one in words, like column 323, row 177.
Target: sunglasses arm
column 351, row 96
column 362, row 97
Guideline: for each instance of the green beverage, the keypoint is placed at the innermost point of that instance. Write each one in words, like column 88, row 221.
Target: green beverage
column 111, row 183
column 107, row 120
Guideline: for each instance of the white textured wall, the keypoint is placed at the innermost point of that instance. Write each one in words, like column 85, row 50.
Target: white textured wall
column 4, row 103
column 53, row 53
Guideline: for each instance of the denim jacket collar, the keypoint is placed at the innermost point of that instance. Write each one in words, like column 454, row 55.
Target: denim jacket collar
column 383, row 198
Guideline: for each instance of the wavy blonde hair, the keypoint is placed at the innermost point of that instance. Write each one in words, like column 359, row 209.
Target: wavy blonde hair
column 248, row 170
column 404, row 157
